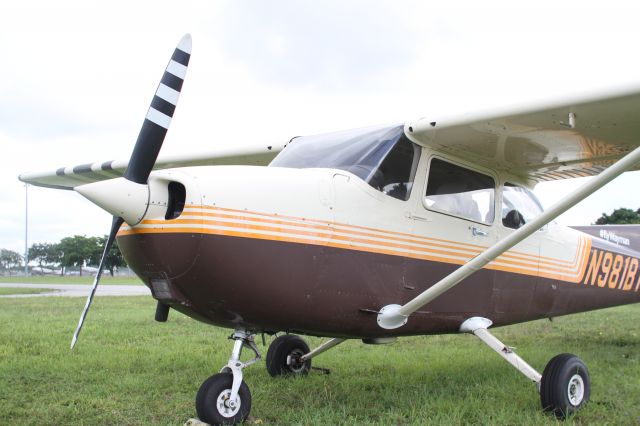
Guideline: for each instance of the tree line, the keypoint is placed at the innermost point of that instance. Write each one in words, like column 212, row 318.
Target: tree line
column 620, row 216
column 76, row 251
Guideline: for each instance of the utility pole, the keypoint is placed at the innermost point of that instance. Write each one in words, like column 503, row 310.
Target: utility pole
column 26, row 229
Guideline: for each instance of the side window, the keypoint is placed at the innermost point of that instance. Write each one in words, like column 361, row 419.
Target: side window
column 519, row 206
column 460, row 192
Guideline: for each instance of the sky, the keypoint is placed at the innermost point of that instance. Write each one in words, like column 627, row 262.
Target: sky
column 77, row 78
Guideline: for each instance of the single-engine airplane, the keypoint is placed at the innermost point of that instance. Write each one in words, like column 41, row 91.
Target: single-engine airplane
column 419, row 228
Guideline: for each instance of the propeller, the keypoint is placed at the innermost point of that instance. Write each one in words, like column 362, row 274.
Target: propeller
column 125, row 198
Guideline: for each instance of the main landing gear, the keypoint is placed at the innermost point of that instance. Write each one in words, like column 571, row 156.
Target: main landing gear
column 284, row 356
column 289, row 355
column 564, row 385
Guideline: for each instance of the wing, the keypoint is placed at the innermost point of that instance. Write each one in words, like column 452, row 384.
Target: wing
column 70, row 177
column 570, row 139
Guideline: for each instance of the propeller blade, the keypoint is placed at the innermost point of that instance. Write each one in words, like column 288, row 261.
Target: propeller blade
column 158, row 118
column 115, row 225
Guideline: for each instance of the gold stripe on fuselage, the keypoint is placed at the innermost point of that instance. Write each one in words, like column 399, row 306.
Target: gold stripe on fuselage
column 240, row 223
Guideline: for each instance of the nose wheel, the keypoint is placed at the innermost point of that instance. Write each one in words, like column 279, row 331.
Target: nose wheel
column 216, row 406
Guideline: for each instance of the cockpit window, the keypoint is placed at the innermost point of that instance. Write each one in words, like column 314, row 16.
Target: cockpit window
column 382, row 156
column 519, row 206
column 460, row 192
column 395, row 175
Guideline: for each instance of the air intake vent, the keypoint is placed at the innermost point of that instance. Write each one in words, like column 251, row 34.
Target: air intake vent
column 177, row 195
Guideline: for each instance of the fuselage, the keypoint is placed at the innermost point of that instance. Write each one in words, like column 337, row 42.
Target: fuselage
column 320, row 250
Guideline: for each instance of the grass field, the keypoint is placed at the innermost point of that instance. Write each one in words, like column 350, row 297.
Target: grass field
column 56, row 279
column 129, row 370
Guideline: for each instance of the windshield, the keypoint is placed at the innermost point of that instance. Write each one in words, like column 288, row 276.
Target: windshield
column 381, row 156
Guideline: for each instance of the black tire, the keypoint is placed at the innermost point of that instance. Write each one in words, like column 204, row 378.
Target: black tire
column 283, row 347
column 565, row 385
column 210, row 396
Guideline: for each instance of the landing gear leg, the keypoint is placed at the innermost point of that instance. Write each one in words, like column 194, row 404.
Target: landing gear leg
column 224, row 398
column 478, row 327
column 564, row 385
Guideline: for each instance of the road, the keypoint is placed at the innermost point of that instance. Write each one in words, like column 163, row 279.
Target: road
column 78, row 290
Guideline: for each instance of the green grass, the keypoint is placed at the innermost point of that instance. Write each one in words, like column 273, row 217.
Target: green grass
column 129, row 370
column 57, row 279
column 6, row 291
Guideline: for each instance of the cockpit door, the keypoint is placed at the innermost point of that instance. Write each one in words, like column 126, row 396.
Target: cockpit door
column 456, row 218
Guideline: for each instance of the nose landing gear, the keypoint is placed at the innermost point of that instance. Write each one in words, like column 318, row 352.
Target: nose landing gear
column 224, row 398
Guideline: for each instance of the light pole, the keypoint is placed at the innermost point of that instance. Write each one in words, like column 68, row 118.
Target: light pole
column 26, row 229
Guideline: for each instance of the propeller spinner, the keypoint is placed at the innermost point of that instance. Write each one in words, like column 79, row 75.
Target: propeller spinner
column 126, row 198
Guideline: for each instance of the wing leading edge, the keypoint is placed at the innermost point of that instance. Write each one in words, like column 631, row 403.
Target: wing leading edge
column 70, row 177
column 571, row 139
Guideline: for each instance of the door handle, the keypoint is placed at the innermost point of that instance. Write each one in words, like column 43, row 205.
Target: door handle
column 477, row 232
column 417, row 217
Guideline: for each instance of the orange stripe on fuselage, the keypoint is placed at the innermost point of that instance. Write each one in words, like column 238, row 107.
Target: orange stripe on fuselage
column 398, row 236
column 331, row 234
column 294, row 218
column 386, row 242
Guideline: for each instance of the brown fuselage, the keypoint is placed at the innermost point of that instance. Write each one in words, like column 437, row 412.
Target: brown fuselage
column 270, row 285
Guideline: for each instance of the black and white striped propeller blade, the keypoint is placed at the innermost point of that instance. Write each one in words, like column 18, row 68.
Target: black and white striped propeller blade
column 145, row 152
column 158, row 118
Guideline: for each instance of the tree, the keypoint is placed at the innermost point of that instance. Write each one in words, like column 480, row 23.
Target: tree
column 9, row 260
column 621, row 216
column 46, row 254
column 38, row 252
column 114, row 258
column 77, row 250
column 54, row 255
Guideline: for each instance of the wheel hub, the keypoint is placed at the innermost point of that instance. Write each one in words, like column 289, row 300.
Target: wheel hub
column 226, row 406
column 293, row 360
column 575, row 389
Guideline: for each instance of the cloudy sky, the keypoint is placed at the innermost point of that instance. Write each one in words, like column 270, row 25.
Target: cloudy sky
column 77, row 77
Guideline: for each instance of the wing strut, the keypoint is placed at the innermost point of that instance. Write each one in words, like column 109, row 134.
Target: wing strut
column 394, row 316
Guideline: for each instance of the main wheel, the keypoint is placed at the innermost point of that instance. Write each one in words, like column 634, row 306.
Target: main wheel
column 213, row 403
column 283, row 356
column 565, row 385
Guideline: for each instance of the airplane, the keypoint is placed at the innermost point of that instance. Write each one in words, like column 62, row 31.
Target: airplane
column 424, row 227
